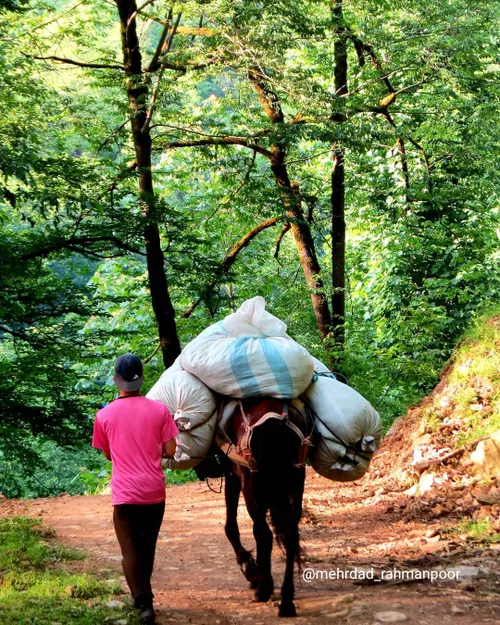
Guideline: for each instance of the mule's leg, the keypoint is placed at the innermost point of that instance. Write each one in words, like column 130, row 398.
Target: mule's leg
column 289, row 527
column 252, row 491
column 297, row 492
column 243, row 557
column 286, row 525
column 291, row 543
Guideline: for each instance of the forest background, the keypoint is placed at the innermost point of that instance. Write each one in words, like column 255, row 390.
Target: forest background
column 162, row 162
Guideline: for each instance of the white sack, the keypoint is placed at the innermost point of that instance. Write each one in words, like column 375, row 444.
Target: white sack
column 252, row 319
column 248, row 354
column 341, row 414
column 192, row 445
column 319, row 367
column 188, row 399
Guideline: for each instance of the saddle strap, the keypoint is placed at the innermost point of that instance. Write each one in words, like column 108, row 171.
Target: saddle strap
column 244, row 448
column 303, row 451
column 230, row 450
column 245, row 445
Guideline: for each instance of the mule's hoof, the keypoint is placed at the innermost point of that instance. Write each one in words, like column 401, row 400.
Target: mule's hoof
column 261, row 597
column 264, row 592
column 287, row 610
column 251, row 572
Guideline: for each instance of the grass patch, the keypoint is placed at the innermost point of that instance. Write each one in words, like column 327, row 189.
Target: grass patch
column 432, row 422
column 472, row 392
column 480, row 428
column 24, row 545
column 36, row 589
column 479, row 530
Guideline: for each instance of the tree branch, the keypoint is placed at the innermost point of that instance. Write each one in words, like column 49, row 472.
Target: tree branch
column 402, row 152
column 161, row 40
column 246, row 178
column 230, row 259
column 149, row 358
column 185, row 30
column 433, row 462
column 257, row 133
column 228, row 199
column 51, row 21
column 113, row 134
column 121, row 176
column 292, row 201
column 284, row 230
column 365, row 48
column 384, row 104
column 267, row 97
column 181, row 68
column 419, row 147
column 60, row 59
column 58, row 246
column 156, row 90
column 229, row 140
column 138, row 10
column 245, row 240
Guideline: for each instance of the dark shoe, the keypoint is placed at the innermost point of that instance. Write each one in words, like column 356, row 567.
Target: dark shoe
column 147, row 616
column 142, row 601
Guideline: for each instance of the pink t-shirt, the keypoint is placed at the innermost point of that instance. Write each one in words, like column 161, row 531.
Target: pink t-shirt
column 133, row 429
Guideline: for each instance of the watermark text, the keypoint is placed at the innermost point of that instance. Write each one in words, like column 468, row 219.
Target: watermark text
column 379, row 575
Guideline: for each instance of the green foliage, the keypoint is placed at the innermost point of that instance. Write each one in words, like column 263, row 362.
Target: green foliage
column 468, row 399
column 421, row 199
column 58, row 470
column 61, row 470
column 173, row 476
column 476, row 377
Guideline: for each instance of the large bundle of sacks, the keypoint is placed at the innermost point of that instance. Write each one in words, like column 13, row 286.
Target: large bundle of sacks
column 249, row 354
column 348, row 427
column 194, row 409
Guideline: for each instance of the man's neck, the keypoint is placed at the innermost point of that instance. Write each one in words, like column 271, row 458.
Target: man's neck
column 129, row 393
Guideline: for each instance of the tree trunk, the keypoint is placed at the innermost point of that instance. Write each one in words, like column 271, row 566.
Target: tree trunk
column 304, row 242
column 137, row 92
column 291, row 193
column 338, row 186
column 338, row 246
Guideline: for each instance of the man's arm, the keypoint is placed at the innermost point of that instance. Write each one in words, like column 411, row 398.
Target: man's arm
column 100, row 440
column 169, row 448
column 169, row 432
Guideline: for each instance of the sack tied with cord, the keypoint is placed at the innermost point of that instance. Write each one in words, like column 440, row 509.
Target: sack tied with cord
column 249, row 354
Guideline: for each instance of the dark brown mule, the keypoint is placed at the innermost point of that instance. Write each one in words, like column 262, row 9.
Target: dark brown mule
column 268, row 434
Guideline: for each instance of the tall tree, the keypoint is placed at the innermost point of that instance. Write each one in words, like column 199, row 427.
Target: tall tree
column 338, row 231
column 304, row 116
column 140, row 120
column 292, row 200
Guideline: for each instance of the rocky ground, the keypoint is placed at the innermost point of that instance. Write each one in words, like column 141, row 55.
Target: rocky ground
column 367, row 530
column 416, row 540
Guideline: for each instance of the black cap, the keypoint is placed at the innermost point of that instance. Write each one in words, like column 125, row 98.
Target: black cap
column 128, row 373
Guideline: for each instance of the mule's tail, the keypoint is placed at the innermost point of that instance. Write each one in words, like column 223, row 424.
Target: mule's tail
column 275, row 448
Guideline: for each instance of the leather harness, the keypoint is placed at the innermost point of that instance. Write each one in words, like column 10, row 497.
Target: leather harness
column 242, row 452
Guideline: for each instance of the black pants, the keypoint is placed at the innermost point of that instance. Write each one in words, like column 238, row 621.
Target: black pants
column 137, row 528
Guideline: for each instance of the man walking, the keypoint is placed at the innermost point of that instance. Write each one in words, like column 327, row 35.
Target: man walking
column 133, row 432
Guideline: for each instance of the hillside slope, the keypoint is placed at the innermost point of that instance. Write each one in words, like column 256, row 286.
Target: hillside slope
column 399, row 522
column 446, row 450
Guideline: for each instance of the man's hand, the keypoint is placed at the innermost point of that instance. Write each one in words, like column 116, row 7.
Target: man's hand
column 169, row 448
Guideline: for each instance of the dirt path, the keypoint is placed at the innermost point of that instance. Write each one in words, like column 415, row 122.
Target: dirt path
column 359, row 526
